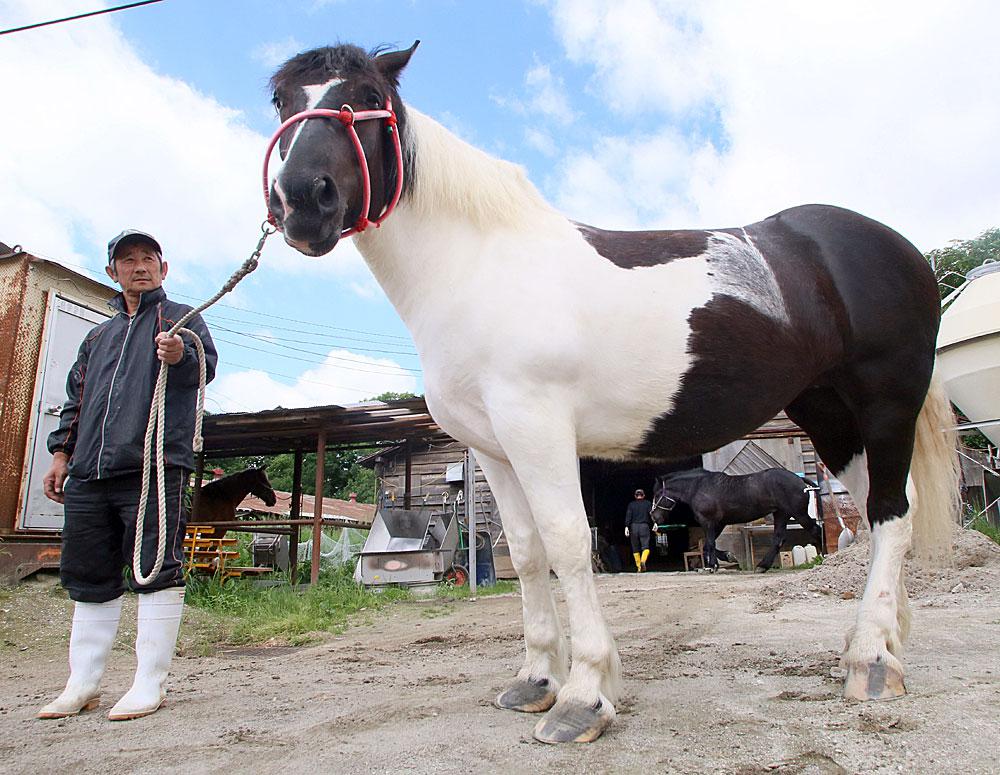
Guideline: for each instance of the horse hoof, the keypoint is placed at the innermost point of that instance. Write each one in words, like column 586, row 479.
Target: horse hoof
column 877, row 681
column 573, row 722
column 760, row 569
column 536, row 695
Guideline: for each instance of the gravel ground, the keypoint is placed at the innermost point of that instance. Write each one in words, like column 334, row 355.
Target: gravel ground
column 726, row 673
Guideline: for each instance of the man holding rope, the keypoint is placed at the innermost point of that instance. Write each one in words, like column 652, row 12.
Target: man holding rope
column 96, row 472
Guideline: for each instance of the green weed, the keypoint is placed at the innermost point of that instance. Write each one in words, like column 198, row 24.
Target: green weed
column 248, row 613
column 987, row 528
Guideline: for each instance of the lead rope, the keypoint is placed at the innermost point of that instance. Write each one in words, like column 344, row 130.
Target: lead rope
column 157, row 416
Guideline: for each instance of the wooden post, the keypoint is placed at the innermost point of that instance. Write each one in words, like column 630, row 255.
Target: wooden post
column 294, row 513
column 199, row 471
column 318, row 504
column 406, row 475
column 470, row 517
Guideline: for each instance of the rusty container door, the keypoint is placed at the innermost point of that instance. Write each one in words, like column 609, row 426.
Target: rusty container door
column 66, row 325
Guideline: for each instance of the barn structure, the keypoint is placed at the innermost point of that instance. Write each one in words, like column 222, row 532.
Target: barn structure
column 46, row 309
column 429, row 471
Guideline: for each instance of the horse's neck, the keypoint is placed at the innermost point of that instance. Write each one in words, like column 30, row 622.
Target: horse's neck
column 460, row 198
column 231, row 491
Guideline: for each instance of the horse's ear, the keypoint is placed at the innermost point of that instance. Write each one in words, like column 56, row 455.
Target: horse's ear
column 391, row 64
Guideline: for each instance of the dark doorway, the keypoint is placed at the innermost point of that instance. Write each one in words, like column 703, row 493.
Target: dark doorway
column 608, row 488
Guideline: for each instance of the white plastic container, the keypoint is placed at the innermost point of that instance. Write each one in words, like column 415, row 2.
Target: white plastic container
column 810, row 552
column 798, row 555
column 968, row 348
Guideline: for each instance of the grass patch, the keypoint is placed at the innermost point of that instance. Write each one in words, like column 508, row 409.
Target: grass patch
column 987, row 528
column 246, row 613
column 449, row 591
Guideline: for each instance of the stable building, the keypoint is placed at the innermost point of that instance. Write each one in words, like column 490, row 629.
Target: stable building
column 46, row 309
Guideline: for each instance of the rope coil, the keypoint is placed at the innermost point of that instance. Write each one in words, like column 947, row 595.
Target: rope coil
column 157, row 421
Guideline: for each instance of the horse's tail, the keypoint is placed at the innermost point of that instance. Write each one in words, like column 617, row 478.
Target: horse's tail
column 935, row 472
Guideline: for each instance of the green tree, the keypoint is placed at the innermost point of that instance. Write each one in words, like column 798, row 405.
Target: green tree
column 952, row 263
column 391, row 396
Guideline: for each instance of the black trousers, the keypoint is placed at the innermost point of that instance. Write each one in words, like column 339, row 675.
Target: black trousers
column 98, row 536
column 639, row 534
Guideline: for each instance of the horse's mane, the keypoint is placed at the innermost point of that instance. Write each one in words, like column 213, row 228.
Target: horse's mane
column 452, row 176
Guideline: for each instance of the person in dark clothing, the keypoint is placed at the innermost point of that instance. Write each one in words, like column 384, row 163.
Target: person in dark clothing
column 96, row 473
column 638, row 523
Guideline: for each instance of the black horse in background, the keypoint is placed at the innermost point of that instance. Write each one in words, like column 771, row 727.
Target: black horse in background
column 718, row 499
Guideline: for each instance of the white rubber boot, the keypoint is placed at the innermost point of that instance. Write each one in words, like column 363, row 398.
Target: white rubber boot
column 159, row 621
column 94, row 628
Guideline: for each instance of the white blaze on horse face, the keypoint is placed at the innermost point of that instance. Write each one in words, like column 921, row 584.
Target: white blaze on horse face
column 315, row 93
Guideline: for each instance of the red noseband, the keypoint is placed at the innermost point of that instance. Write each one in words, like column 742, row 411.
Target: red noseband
column 348, row 117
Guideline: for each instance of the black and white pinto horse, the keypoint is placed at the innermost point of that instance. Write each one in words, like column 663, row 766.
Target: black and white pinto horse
column 718, row 499
column 543, row 340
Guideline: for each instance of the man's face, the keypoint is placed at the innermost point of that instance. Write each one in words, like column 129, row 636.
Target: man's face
column 138, row 268
column 640, row 495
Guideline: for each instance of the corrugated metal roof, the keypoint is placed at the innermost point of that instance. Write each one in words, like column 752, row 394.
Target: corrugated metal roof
column 750, row 460
column 286, row 430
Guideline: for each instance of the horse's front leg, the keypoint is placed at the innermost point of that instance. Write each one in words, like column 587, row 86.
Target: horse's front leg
column 544, row 460
column 546, row 661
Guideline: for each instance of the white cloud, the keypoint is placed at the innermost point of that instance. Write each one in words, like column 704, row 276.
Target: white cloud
column 887, row 108
column 328, row 383
column 101, row 142
column 541, row 140
column 277, row 52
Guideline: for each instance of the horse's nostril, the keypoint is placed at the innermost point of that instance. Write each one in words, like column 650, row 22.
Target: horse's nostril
column 324, row 191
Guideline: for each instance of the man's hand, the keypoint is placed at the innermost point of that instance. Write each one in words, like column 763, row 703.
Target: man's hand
column 656, row 528
column 626, row 532
column 169, row 349
column 55, row 476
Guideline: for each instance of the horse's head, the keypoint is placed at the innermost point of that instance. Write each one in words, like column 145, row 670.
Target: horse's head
column 260, row 486
column 665, row 499
column 671, row 489
column 319, row 191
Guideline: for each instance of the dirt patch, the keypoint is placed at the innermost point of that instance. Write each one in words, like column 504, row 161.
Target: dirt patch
column 712, row 685
column 974, row 569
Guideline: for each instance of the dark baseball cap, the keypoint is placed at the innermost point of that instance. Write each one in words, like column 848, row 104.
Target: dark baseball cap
column 130, row 237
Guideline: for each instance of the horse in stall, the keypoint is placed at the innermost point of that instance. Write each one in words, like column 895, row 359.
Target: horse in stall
column 543, row 340
column 717, row 499
column 218, row 500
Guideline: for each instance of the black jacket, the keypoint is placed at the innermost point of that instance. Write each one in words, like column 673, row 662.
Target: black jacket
column 638, row 512
column 109, row 389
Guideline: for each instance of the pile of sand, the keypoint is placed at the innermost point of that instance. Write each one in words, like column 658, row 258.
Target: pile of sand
column 974, row 567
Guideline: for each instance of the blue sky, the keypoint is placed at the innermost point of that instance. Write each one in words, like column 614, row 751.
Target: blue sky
column 626, row 114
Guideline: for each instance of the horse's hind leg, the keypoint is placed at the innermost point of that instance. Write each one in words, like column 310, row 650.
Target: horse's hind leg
column 874, row 647
column 546, row 661
column 870, row 453
column 780, row 530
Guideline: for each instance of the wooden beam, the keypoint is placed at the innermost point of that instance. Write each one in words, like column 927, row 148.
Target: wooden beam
column 199, row 471
column 408, row 451
column 294, row 512
column 318, row 505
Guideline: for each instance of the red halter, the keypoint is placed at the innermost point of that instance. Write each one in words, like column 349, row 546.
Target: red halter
column 347, row 117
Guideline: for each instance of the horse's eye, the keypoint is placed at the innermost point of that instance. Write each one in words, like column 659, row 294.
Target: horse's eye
column 276, row 101
column 375, row 99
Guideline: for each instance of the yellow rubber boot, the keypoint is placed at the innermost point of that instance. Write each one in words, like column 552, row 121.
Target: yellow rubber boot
column 645, row 556
column 638, row 562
